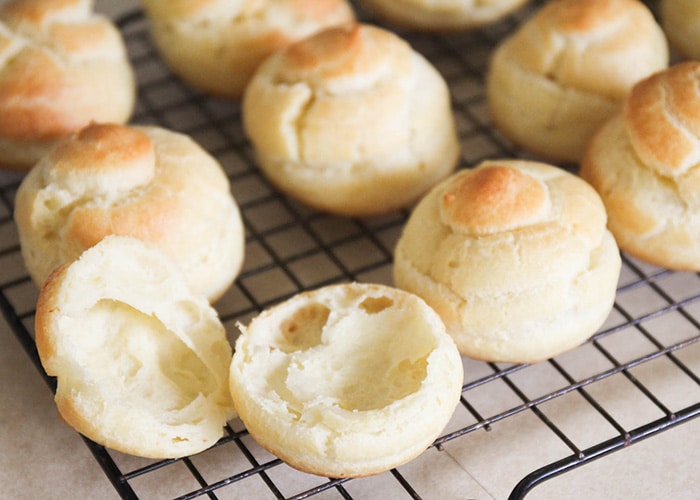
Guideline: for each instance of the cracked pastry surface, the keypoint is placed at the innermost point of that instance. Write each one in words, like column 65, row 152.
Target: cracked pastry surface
column 141, row 360
column 61, row 67
column 351, row 121
column 347, row 380
column 146, row 182
column 216, row 45
column 644, row 163
column 515, row 257
column 442, row 15
column 555, row 80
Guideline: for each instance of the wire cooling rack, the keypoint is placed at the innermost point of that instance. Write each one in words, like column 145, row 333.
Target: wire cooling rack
column 637, row 377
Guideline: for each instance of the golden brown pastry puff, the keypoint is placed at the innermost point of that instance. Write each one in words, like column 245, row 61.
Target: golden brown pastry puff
column 216, row 45
column 442, row 15
column 644, row 163
column 61, row 67
column 146, row 182
column 515, row 257
column 351, row 121
column 554, row 81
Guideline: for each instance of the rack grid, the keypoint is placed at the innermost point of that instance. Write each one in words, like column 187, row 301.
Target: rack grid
column 645, row 356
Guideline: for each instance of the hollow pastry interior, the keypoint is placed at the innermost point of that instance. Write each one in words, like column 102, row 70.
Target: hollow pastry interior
column 351, row 121
column 347, row 380
column 644, row 164
column 141, row 360
column 554, row 81
column 515, row 257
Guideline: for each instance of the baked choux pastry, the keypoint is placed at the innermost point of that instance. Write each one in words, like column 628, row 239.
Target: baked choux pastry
column 351, row 121
column 442, row 15
column 515, row 257
column 556, row 79
column 680, row 20
column 141, row 361
column 61, row 67
column 645, row 164
column 346, row 380
column 146, row 182
column 216, row 45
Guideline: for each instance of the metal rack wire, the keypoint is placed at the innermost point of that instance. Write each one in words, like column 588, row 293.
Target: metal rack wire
column 654, row 325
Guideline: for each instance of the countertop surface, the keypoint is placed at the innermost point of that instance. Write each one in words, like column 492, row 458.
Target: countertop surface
column 44, row 459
